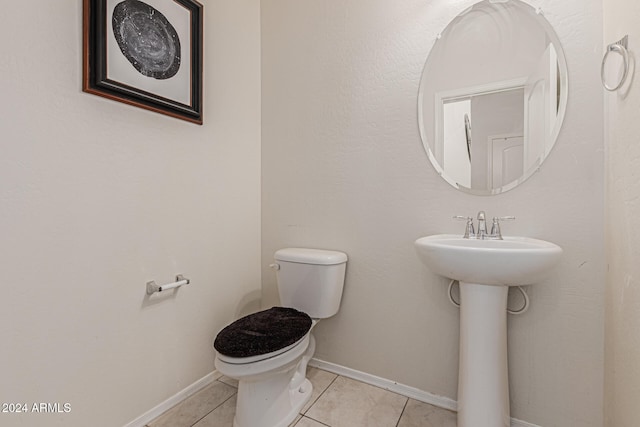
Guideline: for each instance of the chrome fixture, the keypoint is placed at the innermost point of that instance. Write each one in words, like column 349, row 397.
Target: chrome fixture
column 469, row 231
column 152, row 287
column 482, row 226
column 481, row 234
column 619, row 47
column 496, row 233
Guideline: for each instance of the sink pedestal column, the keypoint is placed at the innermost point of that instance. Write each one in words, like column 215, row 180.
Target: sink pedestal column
column 483, row 383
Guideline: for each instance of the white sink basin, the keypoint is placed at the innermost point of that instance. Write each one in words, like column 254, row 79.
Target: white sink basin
column 480, row 265
column 509, row 262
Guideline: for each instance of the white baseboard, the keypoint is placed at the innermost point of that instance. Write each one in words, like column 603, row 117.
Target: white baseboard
column 520, row 423
column 404, row 390
column 155, row 412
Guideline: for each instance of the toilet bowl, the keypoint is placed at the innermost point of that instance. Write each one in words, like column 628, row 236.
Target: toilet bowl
column 268, row 352
column 271, row 391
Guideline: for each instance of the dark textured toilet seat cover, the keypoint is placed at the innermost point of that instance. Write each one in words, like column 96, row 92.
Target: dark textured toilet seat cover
column 263, row 332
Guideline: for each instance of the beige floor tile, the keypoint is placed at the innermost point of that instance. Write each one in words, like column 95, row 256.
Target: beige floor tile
column 308, row 422
column 419, row 414
column 228, row 381
column 222, row 416
column 320, row 380
column 188, row 412
column 349, row 403
column 294, row 422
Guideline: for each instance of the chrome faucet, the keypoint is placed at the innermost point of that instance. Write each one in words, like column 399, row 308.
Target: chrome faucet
column 469, row 232
column 495, row 234
column 482, row 226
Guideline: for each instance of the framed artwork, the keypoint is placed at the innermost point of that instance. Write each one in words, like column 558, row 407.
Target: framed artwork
column 145, row 53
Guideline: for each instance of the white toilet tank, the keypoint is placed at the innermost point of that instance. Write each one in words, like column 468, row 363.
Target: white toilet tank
column 311, row 280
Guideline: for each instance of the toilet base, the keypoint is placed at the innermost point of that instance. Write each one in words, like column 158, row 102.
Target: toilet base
column 278, row 418
column 274, row 399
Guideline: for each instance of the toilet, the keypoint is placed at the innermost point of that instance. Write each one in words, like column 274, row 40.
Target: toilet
column 268, row 352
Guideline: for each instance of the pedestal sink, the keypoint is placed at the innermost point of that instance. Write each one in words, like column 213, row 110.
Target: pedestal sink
column 485, row 270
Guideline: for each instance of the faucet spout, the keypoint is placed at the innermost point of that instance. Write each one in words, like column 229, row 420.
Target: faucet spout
column 482, row 226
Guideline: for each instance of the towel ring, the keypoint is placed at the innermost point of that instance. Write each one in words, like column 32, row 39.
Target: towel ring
column 619, row 47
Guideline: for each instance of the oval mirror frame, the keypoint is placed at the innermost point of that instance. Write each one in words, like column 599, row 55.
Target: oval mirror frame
column 451, row 116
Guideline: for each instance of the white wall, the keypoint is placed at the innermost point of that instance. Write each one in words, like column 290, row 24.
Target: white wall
column 97, row 198
column 622, row 371
column 344, row 168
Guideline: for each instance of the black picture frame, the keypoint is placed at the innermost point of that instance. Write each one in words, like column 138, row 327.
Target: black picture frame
column 133, row 53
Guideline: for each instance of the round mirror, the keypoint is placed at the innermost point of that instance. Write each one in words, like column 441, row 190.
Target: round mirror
column 492, row 96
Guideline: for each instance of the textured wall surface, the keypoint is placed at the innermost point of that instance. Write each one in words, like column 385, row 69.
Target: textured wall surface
column 622, row 371
column 97, row 198
column 344, row 168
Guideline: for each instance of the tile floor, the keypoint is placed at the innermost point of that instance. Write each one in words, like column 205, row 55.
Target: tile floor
column 336, row 401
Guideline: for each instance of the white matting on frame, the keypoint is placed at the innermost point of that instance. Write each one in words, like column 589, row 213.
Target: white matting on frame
column 119, row 69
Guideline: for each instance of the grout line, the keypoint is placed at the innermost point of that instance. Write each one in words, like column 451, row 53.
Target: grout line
column 149, row 417
column 320, row 395
column 395, row 387
column 402, row 413
column 398, row 388
column 207, row 414
column 319, row 422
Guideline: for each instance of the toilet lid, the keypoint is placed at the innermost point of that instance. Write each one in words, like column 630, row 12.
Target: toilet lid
column 263, row 332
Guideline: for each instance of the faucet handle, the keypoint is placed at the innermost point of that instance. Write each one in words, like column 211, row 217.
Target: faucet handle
column 496, row 233
column 468, row 230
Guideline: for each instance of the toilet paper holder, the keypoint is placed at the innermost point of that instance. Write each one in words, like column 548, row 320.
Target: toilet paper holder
column 152, row 287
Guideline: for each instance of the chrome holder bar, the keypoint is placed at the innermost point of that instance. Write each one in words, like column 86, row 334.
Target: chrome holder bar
column 152, row 287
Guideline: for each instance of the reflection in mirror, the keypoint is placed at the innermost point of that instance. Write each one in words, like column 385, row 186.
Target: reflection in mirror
column 492, row 96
